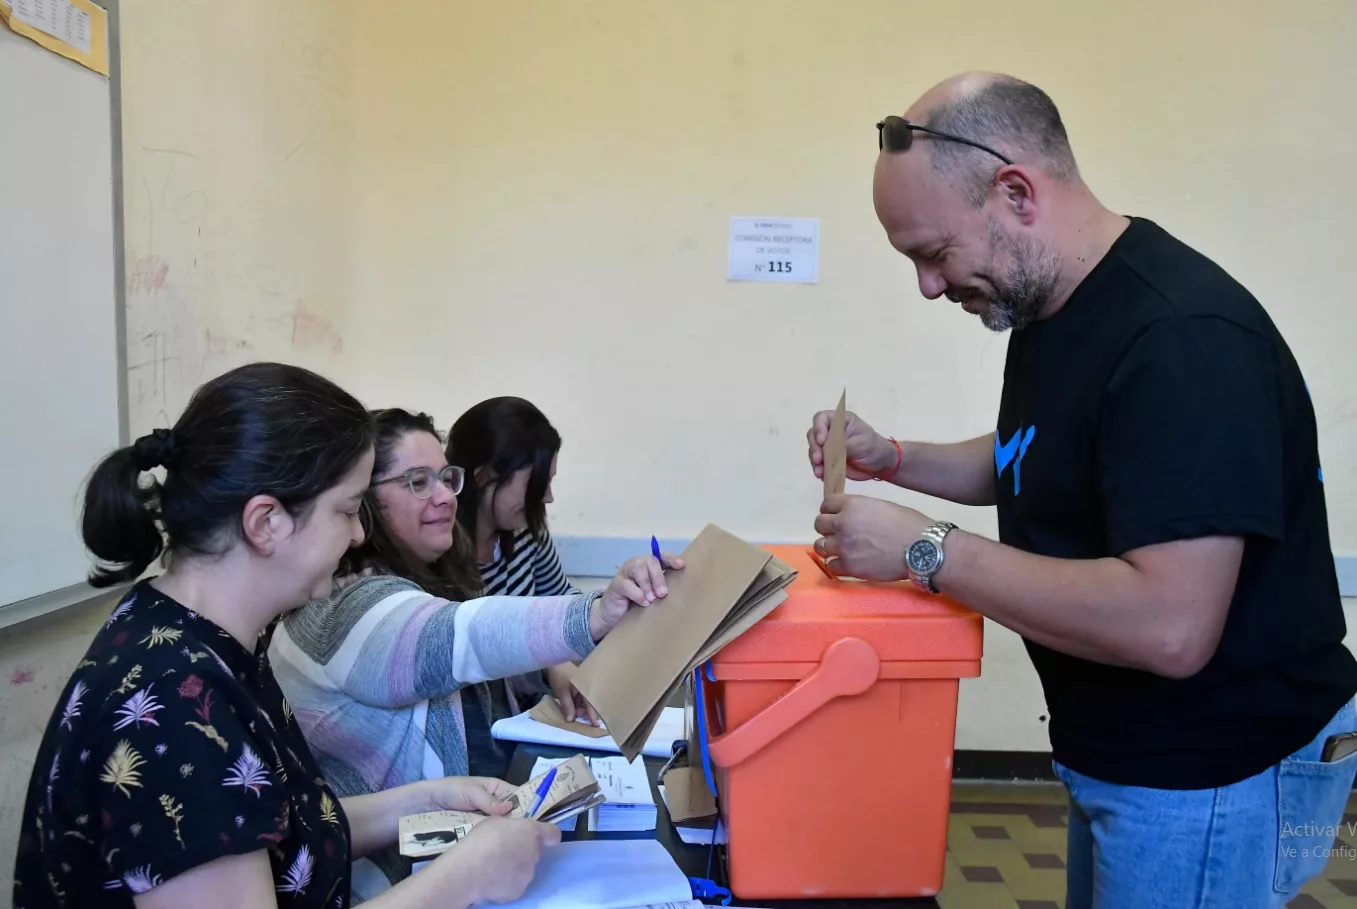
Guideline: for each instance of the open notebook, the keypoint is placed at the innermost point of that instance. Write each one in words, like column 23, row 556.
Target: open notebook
column 605, row 874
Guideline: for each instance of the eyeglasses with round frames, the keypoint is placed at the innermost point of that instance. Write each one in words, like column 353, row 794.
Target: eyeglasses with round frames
column 420, row 480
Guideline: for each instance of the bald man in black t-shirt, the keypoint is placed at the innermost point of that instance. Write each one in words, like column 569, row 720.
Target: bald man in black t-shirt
column 1164, row 547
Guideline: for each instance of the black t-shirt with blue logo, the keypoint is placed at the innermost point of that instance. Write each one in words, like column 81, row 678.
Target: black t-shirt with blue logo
column 1161, row 403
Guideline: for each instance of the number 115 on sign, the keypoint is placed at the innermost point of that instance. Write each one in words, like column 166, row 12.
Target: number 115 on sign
column 783, row 250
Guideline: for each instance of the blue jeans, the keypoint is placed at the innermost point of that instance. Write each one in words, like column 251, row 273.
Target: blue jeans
column 1249, row 845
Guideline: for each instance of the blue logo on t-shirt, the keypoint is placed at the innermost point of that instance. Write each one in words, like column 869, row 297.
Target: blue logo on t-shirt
column 1012, row 452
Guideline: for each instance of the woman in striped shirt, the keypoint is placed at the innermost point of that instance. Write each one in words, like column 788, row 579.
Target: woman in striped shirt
column 509, row 451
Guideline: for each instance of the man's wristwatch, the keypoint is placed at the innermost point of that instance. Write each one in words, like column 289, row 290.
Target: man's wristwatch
column 923, row 558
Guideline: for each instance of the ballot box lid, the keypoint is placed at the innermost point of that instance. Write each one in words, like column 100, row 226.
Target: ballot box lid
column 903, row 623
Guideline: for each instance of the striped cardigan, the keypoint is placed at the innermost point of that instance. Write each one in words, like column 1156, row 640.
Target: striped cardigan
column 374, row 675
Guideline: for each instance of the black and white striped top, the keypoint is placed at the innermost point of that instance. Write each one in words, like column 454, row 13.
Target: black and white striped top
column 533, row 571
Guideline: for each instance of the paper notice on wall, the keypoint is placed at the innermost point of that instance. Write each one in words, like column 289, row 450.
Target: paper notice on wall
column 784, row 250
column 75, row 29
column 61, row 19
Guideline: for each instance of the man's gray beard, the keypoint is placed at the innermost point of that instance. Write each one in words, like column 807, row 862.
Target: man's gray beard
column 1031, row 286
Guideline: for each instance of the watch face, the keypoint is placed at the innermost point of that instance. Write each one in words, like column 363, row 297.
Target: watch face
column 923, row 557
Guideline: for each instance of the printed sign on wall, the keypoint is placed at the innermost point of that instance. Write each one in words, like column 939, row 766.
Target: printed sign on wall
column 784, row 250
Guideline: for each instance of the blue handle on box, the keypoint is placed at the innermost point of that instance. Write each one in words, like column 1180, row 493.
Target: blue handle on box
column 702, row 725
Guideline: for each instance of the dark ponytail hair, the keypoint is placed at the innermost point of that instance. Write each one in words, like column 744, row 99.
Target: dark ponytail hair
column 261, row 429
column 504, row 435
column 453, row 575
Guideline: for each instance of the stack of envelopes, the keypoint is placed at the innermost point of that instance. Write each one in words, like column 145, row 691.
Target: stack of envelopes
column 724, row 588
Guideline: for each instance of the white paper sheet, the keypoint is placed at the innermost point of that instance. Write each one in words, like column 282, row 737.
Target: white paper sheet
column 57, row 18
column 782, row 250
column 523, row 728
column 605, row 874
column 543, row 764
column 622, row 783
column 630, row 805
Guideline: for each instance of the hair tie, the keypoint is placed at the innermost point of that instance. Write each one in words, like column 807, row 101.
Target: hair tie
column 155, row 450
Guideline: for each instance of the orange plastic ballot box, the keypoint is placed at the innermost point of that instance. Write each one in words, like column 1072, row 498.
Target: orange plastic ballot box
column 830, row 727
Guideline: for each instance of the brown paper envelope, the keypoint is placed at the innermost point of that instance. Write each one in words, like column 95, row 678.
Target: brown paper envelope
column 730, row 632
column 709, row 650
column 737, row 617
column 745, row 622
column 548, row 712
column 836, row 451
column 776, row 575
column 735, row 625
column 634, row 745
column 643, row 659
column 685, row 788
column 768, row 584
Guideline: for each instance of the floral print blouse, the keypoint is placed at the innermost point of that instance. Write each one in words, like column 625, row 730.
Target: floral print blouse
column 170, row 747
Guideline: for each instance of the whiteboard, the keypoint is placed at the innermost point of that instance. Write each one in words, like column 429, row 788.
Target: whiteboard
column 60, row 337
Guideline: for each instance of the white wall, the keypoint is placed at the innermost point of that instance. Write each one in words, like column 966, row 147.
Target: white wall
column 236, row 137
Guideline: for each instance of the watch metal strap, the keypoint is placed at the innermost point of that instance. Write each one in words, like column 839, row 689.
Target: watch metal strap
column 938, row 530
column 935, row 533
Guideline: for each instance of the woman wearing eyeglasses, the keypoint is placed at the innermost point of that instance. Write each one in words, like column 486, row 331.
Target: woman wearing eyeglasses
column 394, row 676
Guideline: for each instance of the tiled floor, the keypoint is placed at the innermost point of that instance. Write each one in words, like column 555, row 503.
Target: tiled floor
column 1006, row 850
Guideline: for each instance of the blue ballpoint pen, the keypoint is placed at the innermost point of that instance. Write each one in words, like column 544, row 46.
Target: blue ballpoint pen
column 542, row 791
column 655, row 550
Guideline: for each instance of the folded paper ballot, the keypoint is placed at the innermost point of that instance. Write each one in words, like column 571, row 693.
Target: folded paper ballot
column 526, row 727
column 695, row 831
column 836, row 450
column 724, row 588
column 539, row 769
column 548, row 710
column 687, row 795
column 572, row 790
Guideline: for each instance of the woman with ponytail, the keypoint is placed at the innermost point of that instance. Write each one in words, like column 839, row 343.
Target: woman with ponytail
column 173, row 772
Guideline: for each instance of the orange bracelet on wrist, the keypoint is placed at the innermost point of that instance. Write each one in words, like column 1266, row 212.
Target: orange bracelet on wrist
column 899, row 459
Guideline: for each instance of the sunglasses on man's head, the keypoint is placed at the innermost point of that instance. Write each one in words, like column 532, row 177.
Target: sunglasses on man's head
column 896, row 134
